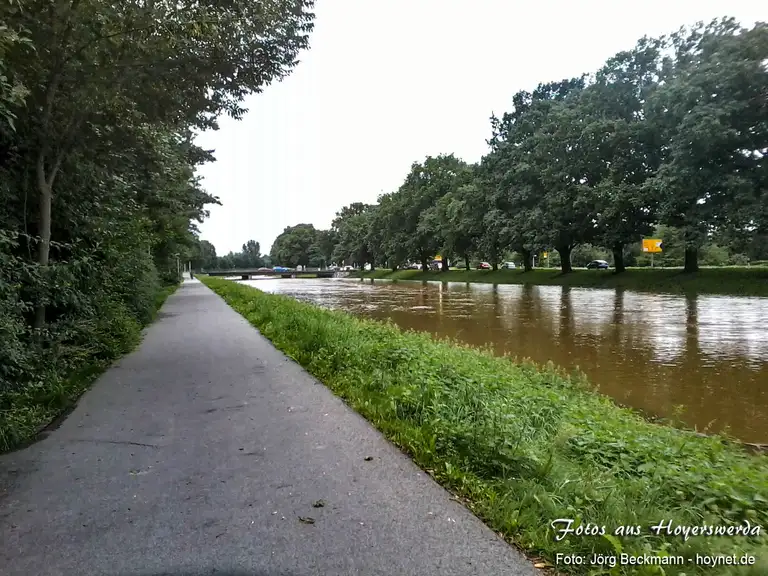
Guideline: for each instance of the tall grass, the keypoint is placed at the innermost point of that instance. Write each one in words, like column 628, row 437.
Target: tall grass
column 525, row 445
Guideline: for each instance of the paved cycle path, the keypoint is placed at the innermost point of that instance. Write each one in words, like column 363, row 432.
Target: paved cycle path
column 207, row 451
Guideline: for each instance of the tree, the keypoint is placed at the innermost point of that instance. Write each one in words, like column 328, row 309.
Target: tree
column 622, row 151
column 294, row 246
column 99, row 103
column 387, row 231
column 460, row 229
column 530, row 176
column 325, row 243
column 204, row 256
column 423, row 187
column 671, row 132
column 351, row 227
column 103, row 70
column 252, row 255
column 712, row 116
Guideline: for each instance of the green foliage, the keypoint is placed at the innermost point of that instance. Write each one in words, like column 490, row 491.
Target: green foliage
column 300, row 245
column 99, row 103
column 250, row 256
column 43, row 388
column 708, row 115
column 670, row 134
column 523, row 444
column 350, row 231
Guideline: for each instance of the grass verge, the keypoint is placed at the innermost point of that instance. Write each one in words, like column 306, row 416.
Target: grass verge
column 25, row 413
column 525, row 445
column 733, row 281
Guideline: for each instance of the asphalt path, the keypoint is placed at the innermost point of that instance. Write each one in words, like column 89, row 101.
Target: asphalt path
column 207, row 451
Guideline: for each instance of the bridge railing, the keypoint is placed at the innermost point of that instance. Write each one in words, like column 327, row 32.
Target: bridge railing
column 257, row 272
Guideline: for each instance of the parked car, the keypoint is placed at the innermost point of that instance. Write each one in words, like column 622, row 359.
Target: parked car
column 509, row 265
column 598, row 265
column 484, row 266
column 414, row 266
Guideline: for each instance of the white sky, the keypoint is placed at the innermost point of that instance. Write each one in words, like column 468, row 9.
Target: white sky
column 389, row 82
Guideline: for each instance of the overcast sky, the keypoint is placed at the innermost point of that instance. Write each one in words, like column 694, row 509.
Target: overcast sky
column 389, row 82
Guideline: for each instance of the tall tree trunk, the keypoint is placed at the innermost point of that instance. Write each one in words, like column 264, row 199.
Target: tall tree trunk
column 444, row 265
column 466, row 261
column 565, row 258
column 527, row 259
column 691, row 259
column 424, row 263
column 618, row 258
column 44, row 251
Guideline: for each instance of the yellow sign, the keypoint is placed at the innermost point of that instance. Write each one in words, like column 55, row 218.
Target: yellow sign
column 545, row 254
column 652, row 245
column 438, row 257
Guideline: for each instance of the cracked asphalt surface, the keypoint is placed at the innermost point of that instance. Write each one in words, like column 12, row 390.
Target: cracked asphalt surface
column 199, row 452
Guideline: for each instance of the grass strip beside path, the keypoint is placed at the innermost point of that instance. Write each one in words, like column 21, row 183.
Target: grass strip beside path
column 26, row 412
column 525, row 445
column 732, row 281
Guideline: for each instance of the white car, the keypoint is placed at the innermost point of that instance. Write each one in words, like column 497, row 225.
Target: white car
column 509, row 265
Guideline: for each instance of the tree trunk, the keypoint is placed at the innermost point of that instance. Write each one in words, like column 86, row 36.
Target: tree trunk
column 424, row 263
column 466, row 261
column 444, row 265
column 565, row 258
column 527, row 260
column 618, row 258
column 691, row 259
column 44, row 251
column 394, row 268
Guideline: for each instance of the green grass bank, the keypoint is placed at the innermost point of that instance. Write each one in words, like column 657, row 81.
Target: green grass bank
column 526, row 445
column 732, row 281
column 25, row 412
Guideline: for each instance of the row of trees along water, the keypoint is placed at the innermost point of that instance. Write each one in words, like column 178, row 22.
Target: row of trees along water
column 667, row 140
column 99, row 104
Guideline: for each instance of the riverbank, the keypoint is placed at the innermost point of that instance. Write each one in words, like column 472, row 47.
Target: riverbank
column 732, row 281
column 525, row 445
column 27, row 412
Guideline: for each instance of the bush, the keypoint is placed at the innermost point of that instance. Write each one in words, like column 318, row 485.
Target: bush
column 525, row 445
column 738, row 260
column 96, row 309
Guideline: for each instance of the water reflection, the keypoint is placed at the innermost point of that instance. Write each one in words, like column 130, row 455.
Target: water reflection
column 654, row 352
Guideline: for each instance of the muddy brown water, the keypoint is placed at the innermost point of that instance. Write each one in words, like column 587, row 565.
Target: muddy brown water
column 706, row 355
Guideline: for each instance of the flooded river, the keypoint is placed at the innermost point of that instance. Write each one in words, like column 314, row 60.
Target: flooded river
column 654, row 352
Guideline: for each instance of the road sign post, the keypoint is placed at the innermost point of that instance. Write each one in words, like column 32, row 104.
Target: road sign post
column 652, row 246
